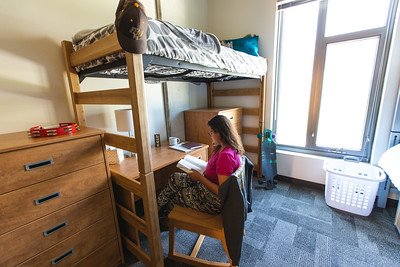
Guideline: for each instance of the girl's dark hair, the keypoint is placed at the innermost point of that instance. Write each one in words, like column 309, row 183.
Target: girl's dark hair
column 229, row 136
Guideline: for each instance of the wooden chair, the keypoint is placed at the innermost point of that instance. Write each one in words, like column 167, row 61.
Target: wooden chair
column 235, row 195
column 199, row 222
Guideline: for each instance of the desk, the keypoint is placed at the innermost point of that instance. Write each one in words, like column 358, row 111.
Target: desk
column 128, row 190
column 162, row 157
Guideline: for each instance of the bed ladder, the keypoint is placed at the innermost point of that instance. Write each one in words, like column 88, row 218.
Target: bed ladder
column 126, row 190
column 259, row 111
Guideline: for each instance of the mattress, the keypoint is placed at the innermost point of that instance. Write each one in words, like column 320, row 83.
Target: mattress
column 173, row 42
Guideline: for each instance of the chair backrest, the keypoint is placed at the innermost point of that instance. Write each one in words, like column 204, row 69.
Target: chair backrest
column 234, row 194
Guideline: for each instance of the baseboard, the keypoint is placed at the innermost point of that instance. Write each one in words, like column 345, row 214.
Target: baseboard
column 392, row 202
column 292, row 180
column 296, row 181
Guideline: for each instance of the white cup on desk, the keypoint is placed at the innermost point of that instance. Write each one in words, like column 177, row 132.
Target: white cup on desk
column 173, row 141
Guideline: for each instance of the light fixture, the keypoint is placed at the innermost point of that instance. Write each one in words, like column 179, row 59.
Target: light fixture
column 124, row 122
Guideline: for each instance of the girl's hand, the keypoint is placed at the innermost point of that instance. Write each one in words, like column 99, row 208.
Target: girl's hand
column 195, row 175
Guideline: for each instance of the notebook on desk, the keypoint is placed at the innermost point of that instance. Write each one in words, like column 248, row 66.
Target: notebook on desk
column 179, row 147
column 192, row 145
column 186, row 146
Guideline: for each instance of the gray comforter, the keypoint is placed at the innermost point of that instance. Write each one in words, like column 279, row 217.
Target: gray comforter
column 167, row 40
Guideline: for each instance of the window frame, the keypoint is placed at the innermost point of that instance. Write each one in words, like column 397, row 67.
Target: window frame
column 383, row 33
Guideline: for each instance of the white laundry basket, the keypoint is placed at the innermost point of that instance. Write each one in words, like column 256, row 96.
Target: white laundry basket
column 352, row 186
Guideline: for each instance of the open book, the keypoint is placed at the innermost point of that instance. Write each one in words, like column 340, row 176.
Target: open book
column 189, row 163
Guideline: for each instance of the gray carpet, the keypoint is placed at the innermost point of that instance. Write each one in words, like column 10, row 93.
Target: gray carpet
column 291, row 225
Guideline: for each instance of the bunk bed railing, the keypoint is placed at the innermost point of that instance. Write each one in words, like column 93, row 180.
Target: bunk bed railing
column 104, row 97
column 120, row 141
column 251, row 112
column 103, row 47
column 237, row 92
column 259, row 92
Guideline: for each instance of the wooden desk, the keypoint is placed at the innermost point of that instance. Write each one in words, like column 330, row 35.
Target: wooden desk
column 161, row 157
column 128, row 190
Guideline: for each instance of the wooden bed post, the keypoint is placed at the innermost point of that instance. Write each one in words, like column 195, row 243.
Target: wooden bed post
column 73, row 81
column 210, row 94
column 261, row 120
column 136, row 85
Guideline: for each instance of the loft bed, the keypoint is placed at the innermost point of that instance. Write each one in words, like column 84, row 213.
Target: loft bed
column 104, row 58
column 174, row 54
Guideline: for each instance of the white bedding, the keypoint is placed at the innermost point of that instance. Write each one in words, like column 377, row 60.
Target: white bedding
column 390, row 163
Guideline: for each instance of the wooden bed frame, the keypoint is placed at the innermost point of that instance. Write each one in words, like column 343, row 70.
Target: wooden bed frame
column 144, row 187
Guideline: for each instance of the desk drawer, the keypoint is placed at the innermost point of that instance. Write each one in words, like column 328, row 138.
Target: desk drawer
column 44, row 198
column 201, row 153
column 77, row 246
column 106, row 256
column 25, row 167
column 30, row 239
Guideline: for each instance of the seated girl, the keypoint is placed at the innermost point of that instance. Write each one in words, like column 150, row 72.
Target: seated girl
column 200, row 191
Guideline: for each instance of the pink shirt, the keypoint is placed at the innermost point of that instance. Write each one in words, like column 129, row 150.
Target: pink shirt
column 223, row 162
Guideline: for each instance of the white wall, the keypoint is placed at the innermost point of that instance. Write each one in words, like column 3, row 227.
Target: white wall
column 234, row 18
column 33, row 85
column 389, row 96
column 181, row 95
column 229, row 19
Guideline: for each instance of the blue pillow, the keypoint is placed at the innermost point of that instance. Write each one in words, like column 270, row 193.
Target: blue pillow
column 248, row 44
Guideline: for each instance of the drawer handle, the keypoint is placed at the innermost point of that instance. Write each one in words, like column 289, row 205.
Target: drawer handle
column 231, row 118
column 55, row 228
column 63, row 256
column 35, row 165
column 47, row 198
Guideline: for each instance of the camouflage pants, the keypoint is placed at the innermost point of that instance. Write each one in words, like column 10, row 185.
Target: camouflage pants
column 185, row 192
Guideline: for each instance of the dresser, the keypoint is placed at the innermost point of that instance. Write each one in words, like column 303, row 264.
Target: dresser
column 196, row 123
column 56, row 201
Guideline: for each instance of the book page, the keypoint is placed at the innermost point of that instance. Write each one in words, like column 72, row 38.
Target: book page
column 186, row 166
column 198, row 163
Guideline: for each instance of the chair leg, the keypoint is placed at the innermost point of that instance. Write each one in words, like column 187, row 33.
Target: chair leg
column 197, row 246
column 223, row 242
column 171, row 239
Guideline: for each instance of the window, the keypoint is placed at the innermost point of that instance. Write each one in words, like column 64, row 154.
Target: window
column 331, row 57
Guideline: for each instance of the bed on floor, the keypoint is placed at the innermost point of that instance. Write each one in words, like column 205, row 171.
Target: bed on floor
column 174, row 54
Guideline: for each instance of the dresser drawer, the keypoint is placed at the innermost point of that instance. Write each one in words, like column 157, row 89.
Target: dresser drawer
column 30, row 203
column 76, row 247
column 25, row 167
column 30, row 239
column 106, row 256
